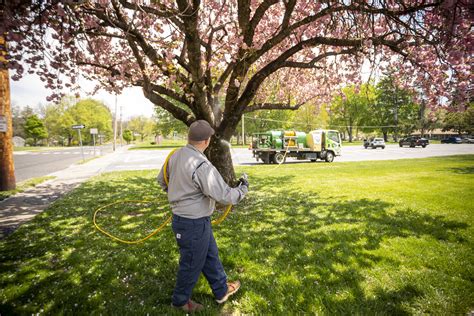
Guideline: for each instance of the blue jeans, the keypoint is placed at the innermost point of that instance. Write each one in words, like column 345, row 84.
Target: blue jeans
column 198, row 253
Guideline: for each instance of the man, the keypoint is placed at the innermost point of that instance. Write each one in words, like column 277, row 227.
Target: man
column 194, row 187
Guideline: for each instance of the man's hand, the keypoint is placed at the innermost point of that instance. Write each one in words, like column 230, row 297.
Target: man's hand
column 244, row 181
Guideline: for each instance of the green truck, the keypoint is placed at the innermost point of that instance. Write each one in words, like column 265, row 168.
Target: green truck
column 275, row 146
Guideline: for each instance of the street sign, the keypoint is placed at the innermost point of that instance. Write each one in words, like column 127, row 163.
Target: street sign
column 78, row 126
column 3, row 123
column 94, row 131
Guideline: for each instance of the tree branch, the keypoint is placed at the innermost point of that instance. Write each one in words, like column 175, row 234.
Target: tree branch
column 172, row 94
column 165, row 12
column 272, row 106
column 178, row 113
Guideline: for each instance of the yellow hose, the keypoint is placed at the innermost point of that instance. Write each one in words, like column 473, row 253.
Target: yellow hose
column 166, row 222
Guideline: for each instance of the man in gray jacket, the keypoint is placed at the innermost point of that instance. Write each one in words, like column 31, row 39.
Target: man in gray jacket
column 194, row 187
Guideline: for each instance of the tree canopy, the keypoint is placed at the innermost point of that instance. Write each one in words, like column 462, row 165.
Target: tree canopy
column 34, row 128
column 221, row 59
column 59, row 118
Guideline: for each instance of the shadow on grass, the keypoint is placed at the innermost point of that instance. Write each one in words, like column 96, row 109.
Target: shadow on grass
column 464, row 170
column 293, row 252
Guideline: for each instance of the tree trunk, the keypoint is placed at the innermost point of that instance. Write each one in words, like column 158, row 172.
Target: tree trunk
column 7, row 169
column 385, row 136
column 219, row 155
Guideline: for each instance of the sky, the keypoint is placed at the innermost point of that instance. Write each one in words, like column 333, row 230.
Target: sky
column 31, row 91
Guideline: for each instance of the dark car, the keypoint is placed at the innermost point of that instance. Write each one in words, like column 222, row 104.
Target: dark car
column 451, row 140
column 413, row 141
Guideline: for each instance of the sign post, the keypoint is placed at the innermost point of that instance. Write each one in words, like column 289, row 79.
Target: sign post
column 94, row 131
column 79, row 127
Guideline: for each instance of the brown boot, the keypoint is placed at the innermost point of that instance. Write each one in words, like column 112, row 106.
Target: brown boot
column 232, row 288
column 190, row 307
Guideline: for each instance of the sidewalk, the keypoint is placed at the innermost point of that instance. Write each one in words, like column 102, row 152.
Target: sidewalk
column 22, row 207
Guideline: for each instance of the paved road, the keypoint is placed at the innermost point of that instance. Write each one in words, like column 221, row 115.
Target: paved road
column 36, row 164
column 153, row 159
column 29, row 164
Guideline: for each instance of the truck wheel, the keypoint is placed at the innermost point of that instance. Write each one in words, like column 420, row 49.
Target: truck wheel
column 279, row 158
column 313, row 160
column 383, row 147
column 424, row 146
column 329, row 156
column 400, row 145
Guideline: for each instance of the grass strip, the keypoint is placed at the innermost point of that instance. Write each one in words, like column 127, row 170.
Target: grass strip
column 22, row 186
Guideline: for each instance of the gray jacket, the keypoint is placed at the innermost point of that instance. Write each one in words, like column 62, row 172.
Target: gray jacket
column 195, row 185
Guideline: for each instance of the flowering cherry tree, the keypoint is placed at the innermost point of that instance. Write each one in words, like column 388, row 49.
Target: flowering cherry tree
column 218, row 59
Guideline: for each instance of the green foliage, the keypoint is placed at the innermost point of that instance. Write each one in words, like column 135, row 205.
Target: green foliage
column 19, row 119
column 357, row 243
column 34, row 128
column 310, row 117
column 58, row 120
column 60, row 117
column 93, row 114
column 461, row 122
column 166, row 124
column 127, row 136
column 384, row 108
column 394, row 110
column 264, row 120
column 141, row 125
column 351, row 108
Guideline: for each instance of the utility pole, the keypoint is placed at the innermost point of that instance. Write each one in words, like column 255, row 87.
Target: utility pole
column 80, row 143
column 7, row 169
column 243, row 129
column 121, row 134
column 115, row 122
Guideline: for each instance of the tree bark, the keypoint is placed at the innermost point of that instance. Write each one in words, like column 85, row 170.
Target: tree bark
column 219, row 155
column 7, row 169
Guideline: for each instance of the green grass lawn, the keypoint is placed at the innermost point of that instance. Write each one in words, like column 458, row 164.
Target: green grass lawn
column 169, row 144
column 24, row 185
column 365, row 238
column 166, row 144
column 35, row 148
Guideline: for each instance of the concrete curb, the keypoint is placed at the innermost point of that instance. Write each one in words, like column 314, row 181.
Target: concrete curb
column 22, row 207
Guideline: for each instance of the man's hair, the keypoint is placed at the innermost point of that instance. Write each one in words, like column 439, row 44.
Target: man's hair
column 196, row 142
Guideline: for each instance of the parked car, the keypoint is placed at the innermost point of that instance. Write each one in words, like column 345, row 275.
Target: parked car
column 451, row 140
column 374, row 143
column 468, row 139
column 413, row 141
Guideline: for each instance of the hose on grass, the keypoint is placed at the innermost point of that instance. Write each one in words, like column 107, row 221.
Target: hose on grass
column 217, row 221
